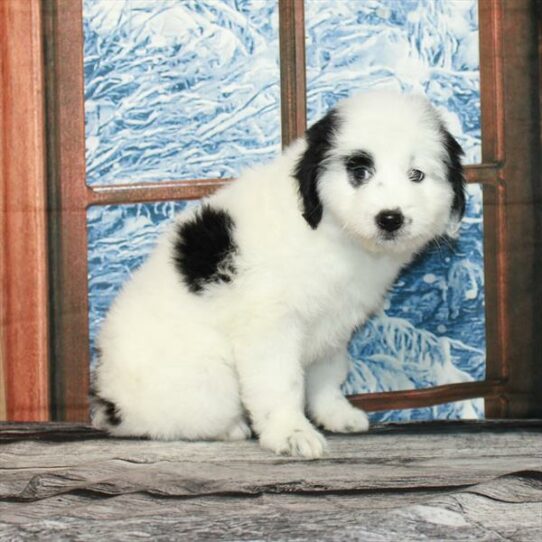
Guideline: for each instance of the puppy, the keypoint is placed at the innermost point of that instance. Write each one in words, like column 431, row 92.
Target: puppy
column 241, row 316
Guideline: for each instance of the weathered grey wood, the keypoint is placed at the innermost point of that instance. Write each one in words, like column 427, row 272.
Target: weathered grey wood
column 64, row 431
column 31, row 470
column 52, row 431
column 68, row 482
column 508, row 508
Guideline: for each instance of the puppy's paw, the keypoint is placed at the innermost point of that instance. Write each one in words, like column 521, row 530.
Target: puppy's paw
column 342, row 417
column 300, row 440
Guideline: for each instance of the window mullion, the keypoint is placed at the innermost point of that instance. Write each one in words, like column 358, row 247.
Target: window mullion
column 293, row 89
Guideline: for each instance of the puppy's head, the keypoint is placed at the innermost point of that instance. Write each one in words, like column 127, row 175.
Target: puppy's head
column 385, row 169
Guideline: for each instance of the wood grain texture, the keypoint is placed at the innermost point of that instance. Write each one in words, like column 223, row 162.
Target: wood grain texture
column 511, row 138
column 67, row 191
column 23, row 235
column 3, row 404
column 431, row 482
column 522, row 340
column 385, row 460
column 66, row 431
column 490, row 16
column 293, row 91
column 152, row 192
column 506, row 508
column 418, row 398
column 490, row 13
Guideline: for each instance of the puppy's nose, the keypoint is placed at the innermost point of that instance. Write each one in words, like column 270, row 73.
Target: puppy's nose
column 390, row 220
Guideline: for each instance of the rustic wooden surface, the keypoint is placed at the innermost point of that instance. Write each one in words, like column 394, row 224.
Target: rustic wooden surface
column 507, row 508
column 455, row 481
column 24, row 326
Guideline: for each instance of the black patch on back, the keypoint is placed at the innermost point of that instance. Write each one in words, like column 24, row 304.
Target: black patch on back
column 356, row 163
column 204, row 248
column 456, row 175
column 110, row 410
column 319, row 139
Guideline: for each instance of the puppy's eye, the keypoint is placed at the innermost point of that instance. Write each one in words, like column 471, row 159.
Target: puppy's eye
column 416, row 176
column 361, row 174
column 360, row 166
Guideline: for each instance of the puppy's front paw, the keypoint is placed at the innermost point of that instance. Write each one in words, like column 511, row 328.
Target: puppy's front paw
column 342, row 417
column 299, row 440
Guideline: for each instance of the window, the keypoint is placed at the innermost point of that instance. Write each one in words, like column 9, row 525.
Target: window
column 507, row 177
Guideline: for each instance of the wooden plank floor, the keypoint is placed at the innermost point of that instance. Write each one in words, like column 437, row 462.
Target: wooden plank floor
column 453, row 481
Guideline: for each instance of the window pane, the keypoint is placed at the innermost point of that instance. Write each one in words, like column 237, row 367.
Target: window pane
column 425, row 46
column 432, row 329
column 120, row 237
column 460, row 410
column 179, row 89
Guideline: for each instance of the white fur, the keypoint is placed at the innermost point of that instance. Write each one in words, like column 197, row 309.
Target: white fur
column 271, row 344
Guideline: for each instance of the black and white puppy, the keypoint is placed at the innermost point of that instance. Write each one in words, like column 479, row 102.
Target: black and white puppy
column 242, row 314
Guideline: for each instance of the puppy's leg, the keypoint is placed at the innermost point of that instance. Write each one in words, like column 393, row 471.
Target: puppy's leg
column 272, row 389
column 191, row 393
column 326, row 403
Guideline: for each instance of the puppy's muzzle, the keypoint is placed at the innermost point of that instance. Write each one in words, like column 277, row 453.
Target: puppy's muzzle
column 390, row 220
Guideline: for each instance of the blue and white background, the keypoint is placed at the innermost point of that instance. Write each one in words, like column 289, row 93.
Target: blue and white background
column 187, row 89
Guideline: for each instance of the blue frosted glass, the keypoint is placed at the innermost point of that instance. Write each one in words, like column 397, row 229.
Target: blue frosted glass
column 460, row 410
column 432, row 328
column 179, row 89
column 424, row 46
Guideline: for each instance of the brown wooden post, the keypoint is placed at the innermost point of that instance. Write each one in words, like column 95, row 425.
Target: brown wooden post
column 492, row 124
column 521, row 175
column 293, row 90
column 66, row 138
column 24, row 338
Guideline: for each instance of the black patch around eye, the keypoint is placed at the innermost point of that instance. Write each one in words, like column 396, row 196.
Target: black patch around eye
column 360, row 166
column 204, row 248
column 416, row 176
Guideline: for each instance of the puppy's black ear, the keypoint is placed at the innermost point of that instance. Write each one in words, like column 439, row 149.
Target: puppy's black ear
column 456, row 175
column 319, row 140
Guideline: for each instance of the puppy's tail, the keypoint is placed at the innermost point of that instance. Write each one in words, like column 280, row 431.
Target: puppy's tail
column 105, row 414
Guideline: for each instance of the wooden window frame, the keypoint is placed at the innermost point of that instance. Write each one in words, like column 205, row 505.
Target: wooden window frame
column 24, row 307
column 509, row 72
